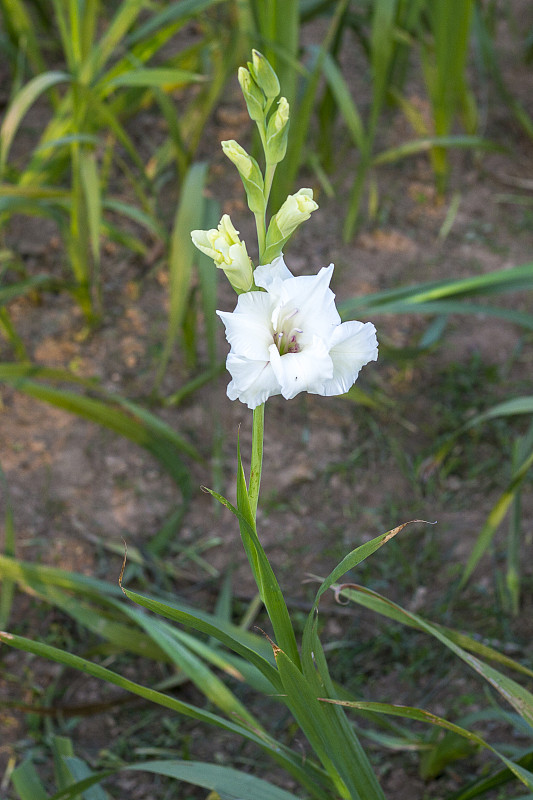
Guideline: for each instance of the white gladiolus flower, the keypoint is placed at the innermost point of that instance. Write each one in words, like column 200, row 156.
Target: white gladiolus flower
column 290, row 339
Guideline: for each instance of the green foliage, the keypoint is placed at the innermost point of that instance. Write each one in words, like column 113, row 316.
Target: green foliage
column 86, row 124
column 109, row 64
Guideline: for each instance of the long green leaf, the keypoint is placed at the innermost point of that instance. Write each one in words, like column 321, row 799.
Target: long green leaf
column 107, row 675
column 267, row 584
column 20, row 105
column 27, row 782
column 428, row 143
column 79, row 771
column 353, row 559
column 345, row 102
column 427, row 296
column 244, row 644
column 156, row 77
column 170, row 14
column 228, row 783
column 189, row 217
column 93, row 200
column 309, row 776
column 347, row 752
column 123, row 20
column 519, row 697
column 7, row 587
column 203, row 678
column 8, row 293
column 496, row 516
column 420, row 715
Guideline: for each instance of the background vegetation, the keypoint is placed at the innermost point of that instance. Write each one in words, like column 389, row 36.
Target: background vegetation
column 112, row 113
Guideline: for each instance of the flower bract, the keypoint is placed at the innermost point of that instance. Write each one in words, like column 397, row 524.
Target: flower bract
column 289, row 338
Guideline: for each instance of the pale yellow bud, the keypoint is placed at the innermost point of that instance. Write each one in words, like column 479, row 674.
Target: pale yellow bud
column 295, row 210
column 264, row 75
column 255, row 99
column 223, row 245
column 238, row 156
column 250, row 173
column 277, row 132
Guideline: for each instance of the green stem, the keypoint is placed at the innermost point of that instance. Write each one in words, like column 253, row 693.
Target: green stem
column 257, row 456
column 269, row 177
column 260, row 224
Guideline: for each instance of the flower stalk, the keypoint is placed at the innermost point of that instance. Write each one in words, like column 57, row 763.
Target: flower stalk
column 258, row 430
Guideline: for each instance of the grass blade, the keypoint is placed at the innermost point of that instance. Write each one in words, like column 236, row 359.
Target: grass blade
column 93, row 200
column 189, row 217
column 161, row 77
column 519, row 697
column 420, row 715
column 208, row 278
column 246, row 645
column 20, row 105
column 308, row 776
column 27, row 782
column 226, row 782
column 431, row 142
column 8, row 293
column 496, row 517
column 103, row 673
column 7, row 588
column 429, row 295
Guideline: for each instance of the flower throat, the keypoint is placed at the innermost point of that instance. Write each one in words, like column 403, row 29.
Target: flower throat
column 285, row 333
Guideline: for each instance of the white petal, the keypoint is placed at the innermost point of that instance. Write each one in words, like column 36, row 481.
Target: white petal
column 253, row 381
column 315, row 301
column 306, row 371
column 248, row 328
column 353, row 345
column 268, row 274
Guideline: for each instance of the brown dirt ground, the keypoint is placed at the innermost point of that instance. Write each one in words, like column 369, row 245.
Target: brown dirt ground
column 335, row 474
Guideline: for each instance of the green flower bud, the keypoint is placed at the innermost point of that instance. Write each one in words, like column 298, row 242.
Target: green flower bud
column 223, row 245
column 264, row 75
column 250, row 174
column 295, row 210
column 255, row 99
column 277, row 133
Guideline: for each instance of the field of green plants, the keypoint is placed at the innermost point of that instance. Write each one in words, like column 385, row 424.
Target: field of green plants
column 369, row 634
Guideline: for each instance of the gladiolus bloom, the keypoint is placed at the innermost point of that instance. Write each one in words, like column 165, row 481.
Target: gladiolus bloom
column 290, row 339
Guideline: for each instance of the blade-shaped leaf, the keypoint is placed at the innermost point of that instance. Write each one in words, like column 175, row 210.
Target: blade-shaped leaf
column 20, row 105
column 420, row 715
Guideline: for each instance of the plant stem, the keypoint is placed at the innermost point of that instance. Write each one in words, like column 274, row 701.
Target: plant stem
column 260, row 224
column 257, row 456
column 269, row 177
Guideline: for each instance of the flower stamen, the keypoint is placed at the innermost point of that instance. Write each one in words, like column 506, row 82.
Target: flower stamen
column 286, row 338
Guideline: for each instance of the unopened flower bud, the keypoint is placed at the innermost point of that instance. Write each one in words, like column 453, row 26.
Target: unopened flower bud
column 277, row 133
column 250, row 174
column 223, row 245
column 264, row 75
column 255, row 99
column 295, row 210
